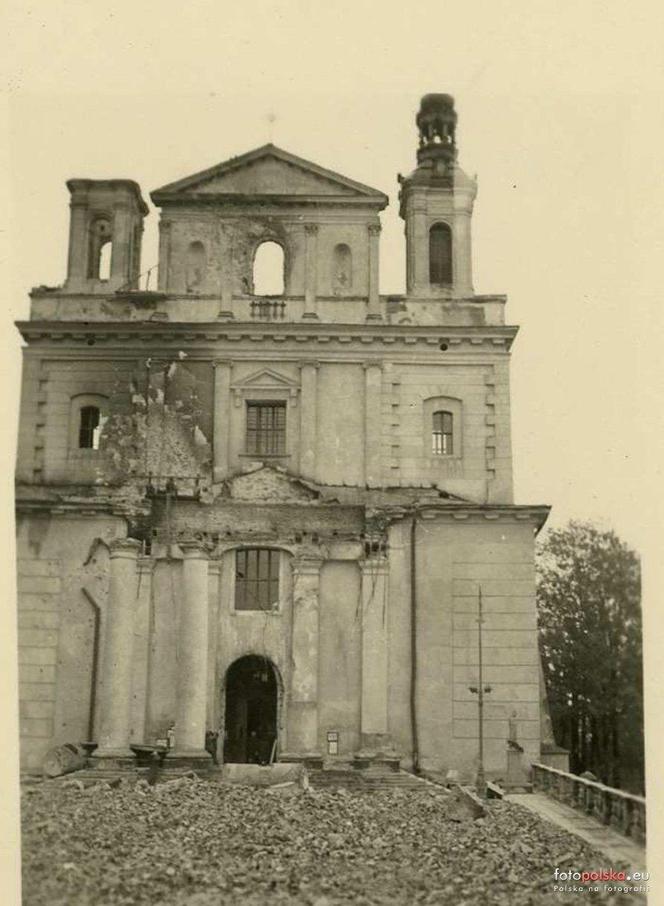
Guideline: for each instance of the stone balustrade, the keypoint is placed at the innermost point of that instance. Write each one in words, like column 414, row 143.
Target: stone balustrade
column 623, row 811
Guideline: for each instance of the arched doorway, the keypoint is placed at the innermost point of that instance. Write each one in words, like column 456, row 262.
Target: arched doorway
column 250, row 724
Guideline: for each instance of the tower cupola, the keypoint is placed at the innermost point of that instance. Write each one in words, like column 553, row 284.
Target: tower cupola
column 436, row 122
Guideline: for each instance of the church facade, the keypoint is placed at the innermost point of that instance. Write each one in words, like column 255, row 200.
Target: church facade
column 270, row 511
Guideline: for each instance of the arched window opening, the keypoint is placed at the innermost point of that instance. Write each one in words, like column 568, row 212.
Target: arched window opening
column 101, row 249
column 196, row 266
column 269, row 263
column 440, row 254
column 342, row 269
column 442, row 434
column 257, row 579
column 91, row 422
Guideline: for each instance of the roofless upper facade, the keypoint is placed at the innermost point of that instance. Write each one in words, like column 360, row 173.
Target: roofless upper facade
column 258, row 498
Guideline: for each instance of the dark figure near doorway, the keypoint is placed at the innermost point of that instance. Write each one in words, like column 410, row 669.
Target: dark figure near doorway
column 211, row 744
column 251, row 711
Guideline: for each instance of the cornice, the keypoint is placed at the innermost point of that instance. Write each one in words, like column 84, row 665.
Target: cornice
column 498, row 337
column 237, row 199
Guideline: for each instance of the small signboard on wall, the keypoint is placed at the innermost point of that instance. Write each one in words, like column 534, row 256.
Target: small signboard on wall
column 333, row 742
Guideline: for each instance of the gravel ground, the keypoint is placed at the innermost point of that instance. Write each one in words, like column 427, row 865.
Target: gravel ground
column 195, row 843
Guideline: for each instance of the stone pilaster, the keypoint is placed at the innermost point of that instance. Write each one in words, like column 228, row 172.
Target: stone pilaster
column 77, row 260
column 420, row 247
column 308, row 419
column 310, row 270
column 116, row 691
column 373, row 311
column 122, row 223
column 303, row 712
column 192, row 657
column 222, row 419
column 462, row 261
column 372, row 423
column 164, row 254
column 374, row 725
column 226, row 241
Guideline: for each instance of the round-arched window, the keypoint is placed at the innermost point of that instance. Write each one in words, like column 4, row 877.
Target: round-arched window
column 268, row 273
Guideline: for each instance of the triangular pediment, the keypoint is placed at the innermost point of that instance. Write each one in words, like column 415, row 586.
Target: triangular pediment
column 268, row 172
column 265, row 484
column 265, row 379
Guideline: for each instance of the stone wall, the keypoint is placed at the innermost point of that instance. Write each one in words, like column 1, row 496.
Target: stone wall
column 350, row 423
column 62, row 583
column 453, row 559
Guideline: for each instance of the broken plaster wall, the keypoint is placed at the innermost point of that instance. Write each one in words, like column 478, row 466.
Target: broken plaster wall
column 158, row 421
column 229, row 245
column 164, row 429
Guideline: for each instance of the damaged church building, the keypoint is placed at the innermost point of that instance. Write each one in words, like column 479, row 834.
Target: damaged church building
column 258, row 501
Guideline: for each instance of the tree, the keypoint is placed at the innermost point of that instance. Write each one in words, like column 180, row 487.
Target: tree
column 589, row 602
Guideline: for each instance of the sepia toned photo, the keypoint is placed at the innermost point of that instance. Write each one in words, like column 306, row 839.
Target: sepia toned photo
column 328, row 565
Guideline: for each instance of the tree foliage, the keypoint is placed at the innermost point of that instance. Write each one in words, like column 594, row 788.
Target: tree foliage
column 588, row 591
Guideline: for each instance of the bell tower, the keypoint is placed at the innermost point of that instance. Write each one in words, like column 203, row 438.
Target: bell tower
column 105, row 231
column 436, row 203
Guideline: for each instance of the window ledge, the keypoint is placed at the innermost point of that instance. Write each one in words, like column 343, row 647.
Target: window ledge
column 260, row 456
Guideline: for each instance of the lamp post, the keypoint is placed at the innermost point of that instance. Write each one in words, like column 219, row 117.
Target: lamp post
column 480, row 690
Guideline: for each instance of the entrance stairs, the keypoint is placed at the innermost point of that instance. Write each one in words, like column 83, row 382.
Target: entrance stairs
column 369, row 780
column 329, row 778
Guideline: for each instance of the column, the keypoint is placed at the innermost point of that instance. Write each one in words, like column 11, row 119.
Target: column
column 310, row 270
column 374, row 726
column 222, row 419
column 141, row 650
column 164, row 254
column 115, row 698
column 121, row 240
column 308, row 419
column 192, row 656
column 373, row 312
column 303, row 714
column 373, row 441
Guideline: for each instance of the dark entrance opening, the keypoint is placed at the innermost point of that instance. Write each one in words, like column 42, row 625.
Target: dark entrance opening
column 251, row 711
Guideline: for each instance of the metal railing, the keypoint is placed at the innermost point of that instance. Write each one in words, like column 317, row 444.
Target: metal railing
column 623, row 811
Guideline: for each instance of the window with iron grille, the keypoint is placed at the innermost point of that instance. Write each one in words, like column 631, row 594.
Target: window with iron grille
column 90, row 425
column 266, row 428
column 442, row 435
column 256, row 579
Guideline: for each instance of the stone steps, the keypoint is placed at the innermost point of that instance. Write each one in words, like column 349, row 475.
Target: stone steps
column 114, row 776
column 368, row 781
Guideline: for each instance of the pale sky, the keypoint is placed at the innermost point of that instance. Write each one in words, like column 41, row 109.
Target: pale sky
column 560, row 114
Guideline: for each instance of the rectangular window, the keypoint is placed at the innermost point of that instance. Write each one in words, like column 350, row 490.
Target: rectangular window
column 266, row 428
column 90, row 425
column 256, row 579
column 442, row 436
